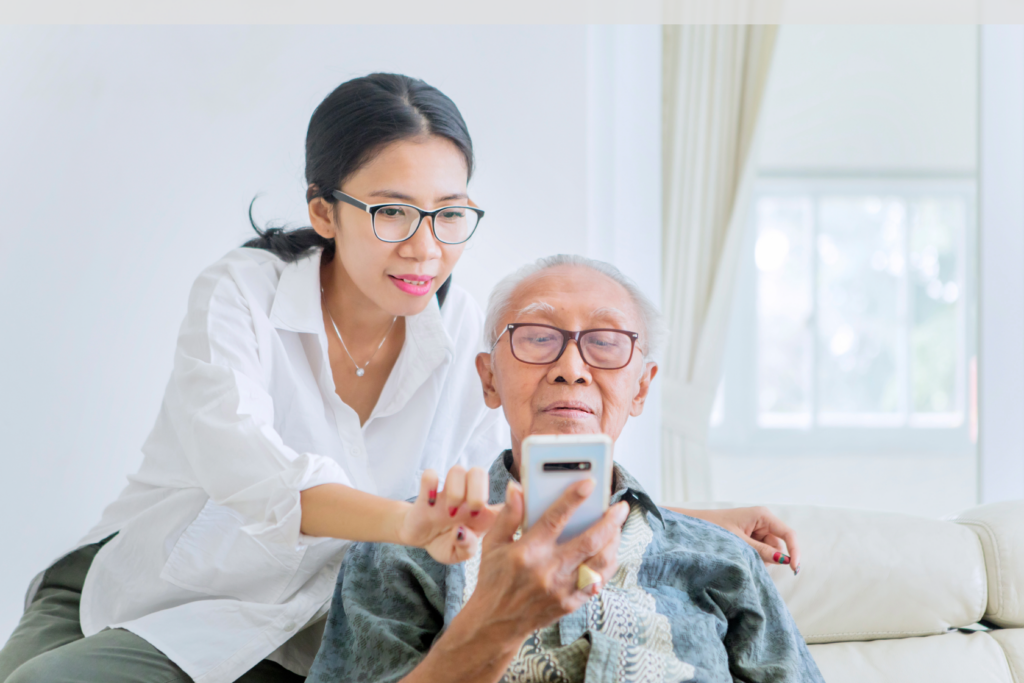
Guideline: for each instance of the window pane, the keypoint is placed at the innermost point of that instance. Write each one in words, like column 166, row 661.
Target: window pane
column 860, row 307
column 936, row 296
column 785, row 353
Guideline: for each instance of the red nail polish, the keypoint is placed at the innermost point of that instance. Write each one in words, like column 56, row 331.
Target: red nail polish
column 461, row 535
column 776, row 556
column 474, row 513
column 452, row 511
column 432, row 497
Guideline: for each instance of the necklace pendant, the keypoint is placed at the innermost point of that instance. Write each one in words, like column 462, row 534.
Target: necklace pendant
column 360, row 372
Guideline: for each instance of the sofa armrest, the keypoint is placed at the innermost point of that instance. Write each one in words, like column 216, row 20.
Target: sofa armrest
column 1000, row 528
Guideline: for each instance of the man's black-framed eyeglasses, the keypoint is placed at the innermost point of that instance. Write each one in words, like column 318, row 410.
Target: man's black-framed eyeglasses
column 536, row 344
column 398, row 222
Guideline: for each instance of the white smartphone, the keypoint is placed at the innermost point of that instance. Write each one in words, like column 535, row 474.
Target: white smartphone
column 552, row 463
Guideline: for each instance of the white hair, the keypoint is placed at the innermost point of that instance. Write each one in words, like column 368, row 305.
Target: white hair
column 652, row 327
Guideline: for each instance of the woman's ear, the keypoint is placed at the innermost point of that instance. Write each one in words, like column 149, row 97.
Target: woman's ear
column 486, row 372
column 321, row 217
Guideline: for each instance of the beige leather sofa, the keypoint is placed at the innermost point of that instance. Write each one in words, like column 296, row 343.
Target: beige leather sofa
column 883, row 597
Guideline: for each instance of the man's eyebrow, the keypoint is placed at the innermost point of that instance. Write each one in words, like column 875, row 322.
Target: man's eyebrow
column 609, row 312
column 537, row 307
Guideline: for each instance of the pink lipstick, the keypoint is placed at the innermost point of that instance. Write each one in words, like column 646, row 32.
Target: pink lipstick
column 417, row 285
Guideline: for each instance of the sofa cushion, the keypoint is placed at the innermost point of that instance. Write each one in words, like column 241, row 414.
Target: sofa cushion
column 1012, row 642
column 870, row 575
column 977, row 658
column 1000, row 526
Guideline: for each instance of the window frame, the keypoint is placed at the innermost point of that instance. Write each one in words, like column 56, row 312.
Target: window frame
column 735, row 427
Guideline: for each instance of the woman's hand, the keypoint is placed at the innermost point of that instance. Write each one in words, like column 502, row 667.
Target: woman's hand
column 448, row 524
column 530, row 583
column 760, row 528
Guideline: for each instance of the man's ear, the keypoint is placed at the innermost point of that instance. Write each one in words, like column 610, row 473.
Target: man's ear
column 643, row 387
column 321, row 217
column 486, row 372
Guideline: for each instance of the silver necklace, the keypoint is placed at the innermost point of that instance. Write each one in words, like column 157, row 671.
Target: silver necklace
column 360, row 371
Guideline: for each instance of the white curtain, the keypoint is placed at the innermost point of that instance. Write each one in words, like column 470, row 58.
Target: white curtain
column 714, row 81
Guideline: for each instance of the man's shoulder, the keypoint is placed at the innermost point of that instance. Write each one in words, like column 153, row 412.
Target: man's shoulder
column 380, row 563
column 691, row 534
column 377, row 554
column 683, row 535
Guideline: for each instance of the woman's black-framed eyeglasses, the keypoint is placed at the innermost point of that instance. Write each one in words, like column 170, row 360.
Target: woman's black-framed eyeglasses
column 536, row 344
column 399, row 222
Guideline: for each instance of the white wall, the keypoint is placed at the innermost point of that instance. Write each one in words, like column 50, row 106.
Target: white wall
column 1001, row 256
column 872, row 99
column 128, row 156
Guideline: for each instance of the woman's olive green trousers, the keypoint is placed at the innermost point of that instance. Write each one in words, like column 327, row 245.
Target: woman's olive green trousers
column 48, row 645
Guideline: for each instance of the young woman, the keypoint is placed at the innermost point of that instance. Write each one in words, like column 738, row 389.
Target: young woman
column 321, row 377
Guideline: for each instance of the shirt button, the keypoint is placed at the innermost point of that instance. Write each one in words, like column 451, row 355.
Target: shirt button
column 290, row 626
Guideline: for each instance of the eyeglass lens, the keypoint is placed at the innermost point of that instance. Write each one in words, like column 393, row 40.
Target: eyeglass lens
column 604, row 349
column 452, row 225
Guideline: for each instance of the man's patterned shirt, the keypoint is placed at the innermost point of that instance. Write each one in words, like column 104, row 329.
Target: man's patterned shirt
column 689, row 602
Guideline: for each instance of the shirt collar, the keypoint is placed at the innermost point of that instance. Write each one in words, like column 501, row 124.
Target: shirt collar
column 427, row 344
column 296, row 305
column 626, row 487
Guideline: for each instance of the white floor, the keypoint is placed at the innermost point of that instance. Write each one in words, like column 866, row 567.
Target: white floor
column 932, row 486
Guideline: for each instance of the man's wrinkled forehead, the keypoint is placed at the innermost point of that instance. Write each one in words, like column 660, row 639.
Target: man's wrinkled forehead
column 573, row 291
column 605, row 315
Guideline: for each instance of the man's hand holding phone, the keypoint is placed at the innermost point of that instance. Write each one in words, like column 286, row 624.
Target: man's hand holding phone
column 530, row 583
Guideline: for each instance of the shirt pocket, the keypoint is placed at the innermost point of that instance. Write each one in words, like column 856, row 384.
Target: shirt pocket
column 214, row 556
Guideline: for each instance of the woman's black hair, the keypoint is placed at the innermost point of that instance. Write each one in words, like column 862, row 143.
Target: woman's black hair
column 347, row 129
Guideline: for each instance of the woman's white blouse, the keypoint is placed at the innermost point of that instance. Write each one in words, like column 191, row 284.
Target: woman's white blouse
column 209, row 564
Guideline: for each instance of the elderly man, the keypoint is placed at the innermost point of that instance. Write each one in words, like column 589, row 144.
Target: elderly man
column 677, row 599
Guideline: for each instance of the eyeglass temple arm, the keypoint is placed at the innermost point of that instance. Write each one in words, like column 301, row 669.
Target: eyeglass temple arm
column 497, row 339
column 352, row 201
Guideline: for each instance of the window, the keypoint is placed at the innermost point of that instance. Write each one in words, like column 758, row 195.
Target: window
column 852, row 323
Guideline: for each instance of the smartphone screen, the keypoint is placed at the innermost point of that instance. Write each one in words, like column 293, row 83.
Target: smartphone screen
column 551, row 464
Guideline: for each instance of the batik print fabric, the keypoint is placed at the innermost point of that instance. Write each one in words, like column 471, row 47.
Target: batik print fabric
column 622, row 618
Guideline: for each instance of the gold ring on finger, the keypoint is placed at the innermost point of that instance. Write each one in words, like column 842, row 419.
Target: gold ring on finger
column 586, row 577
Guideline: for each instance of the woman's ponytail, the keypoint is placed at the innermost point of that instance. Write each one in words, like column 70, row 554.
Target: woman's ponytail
column 289, row 245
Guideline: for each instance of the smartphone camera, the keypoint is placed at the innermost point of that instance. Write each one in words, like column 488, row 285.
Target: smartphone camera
column 566, row 466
